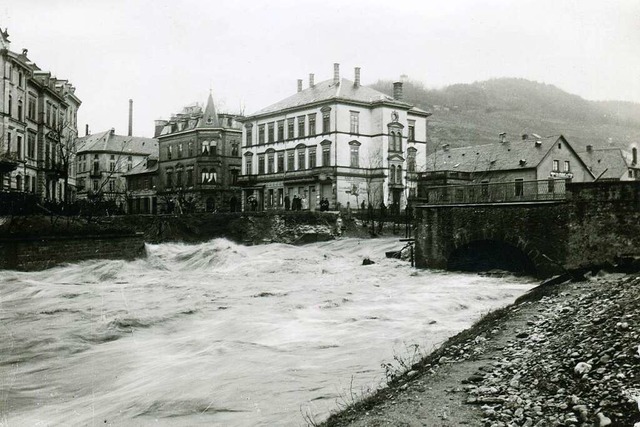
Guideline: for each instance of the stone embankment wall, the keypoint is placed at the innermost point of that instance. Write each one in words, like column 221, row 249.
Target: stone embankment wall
column 603, row 223
column 31, row 253
column 597, row 224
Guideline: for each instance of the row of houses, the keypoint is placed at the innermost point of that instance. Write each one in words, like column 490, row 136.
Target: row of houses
column 334, row 140
column 38, row 128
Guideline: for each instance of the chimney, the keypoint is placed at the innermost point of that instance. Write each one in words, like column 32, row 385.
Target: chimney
column 24, row 52
column 589, row 148
column 634, row 152
column 356, row 81
column 311, row 82
column 397, row 91
column 299, row 85
column 113, row 131
column 445, row 147
column 86, row 130
column 503, row 137
column 336, row 73
column 130, row 117
column 525, row 136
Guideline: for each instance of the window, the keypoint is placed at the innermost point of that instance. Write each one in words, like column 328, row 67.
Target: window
column 312, row 124
column 270, row 163
column 48, row 114
column 290, row 128
column 301, row 123
column 234, row 176
column 399, row 174
column 209, row 176
column 170, row 154
column 129, row 163
column 260, row 165
column 411, row 160
column 312, row 158
column 31, row 108
column 301, row 158
column 556, row 166
column 190, row 148
column 112, row 185
column 20, row 79
column 519, row 187
column 20, row 110
column 355, row 122
column 19, row 147
column 248, row 166
column 261, row 134
column 96, row 163
column 169, row 178
column 206, row 148
column 326, row 120
column 10, row 106
column 112, row 163
column 190, row 176
column 27, row 183
column 249, row 135
column 326, row 155
column 484, row 186
column 567, row 166
column 19, row 182
column 271, row 131
column 355, row 155
column 392, row 174
column 180, row 150
column 95, row 185
column 412, row 130
column 281, row 130
column 550, row 186
column 235, row 149
column 179, row 173
column 630, row 173
column 280, row 162
column 290, row 161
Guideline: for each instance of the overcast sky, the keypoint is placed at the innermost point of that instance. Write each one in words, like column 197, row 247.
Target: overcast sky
column 167, row 54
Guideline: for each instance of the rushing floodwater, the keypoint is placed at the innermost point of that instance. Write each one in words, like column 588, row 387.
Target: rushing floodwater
column 221, row 334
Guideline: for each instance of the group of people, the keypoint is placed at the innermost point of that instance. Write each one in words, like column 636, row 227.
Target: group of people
column 297, row 204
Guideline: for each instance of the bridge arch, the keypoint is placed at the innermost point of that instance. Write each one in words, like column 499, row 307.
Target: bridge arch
column 490, row 253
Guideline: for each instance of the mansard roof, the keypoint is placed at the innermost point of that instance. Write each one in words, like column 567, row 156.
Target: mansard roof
column 345, row 90
column 509, row 155
column 109, row 142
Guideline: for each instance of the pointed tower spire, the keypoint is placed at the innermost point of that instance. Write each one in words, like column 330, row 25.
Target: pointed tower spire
column 210, row 117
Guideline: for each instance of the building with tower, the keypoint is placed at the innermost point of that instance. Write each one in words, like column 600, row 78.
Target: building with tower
column 199, row 161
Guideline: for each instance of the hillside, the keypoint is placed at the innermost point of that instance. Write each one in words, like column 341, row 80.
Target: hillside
column 470, row 114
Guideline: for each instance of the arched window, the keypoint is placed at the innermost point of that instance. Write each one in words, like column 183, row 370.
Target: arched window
column 392, row 174
column 19, row 183
column 20, row 110
column 399, row 174
column 205, row 148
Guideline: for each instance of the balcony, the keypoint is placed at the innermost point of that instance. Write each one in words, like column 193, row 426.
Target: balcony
column 55, row 169
column 8, row 162
column 95, row 173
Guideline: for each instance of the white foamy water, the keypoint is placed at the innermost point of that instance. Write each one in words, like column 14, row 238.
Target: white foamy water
column 221, row 334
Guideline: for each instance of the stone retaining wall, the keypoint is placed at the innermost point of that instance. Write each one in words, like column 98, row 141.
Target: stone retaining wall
column 30, row 254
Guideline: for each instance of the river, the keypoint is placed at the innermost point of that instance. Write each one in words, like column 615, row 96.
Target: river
column 222, row 334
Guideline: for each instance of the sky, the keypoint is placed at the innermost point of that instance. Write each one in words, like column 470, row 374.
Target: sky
column 166, row 54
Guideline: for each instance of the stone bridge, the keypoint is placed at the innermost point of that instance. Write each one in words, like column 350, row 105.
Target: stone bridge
column 592, row 224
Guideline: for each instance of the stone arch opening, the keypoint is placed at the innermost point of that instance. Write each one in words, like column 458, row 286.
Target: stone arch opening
column 485, row 255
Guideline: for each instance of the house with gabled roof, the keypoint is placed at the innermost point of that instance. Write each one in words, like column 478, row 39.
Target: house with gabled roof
column 529, row 158
column 102, row 160
column 612, row 163
column 199, row 160
column 334, row 140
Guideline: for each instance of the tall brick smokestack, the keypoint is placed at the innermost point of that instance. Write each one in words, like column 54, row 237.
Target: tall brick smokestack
column 130, row 117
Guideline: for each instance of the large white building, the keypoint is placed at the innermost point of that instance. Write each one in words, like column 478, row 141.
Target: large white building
column 335, row 139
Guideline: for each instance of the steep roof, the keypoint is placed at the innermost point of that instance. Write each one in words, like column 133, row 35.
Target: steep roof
column 108, row 141
column 521, row 154
column 327, row 90
column 149, row 165
column 210, row 117
column 611, row 162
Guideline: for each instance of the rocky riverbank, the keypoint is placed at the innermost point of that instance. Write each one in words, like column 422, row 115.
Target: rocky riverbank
column 564, row 355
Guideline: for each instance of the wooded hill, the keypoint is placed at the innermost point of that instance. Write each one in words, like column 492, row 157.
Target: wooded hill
column 471, row 114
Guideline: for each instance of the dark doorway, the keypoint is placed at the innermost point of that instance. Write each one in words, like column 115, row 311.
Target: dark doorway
column 485, row 255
